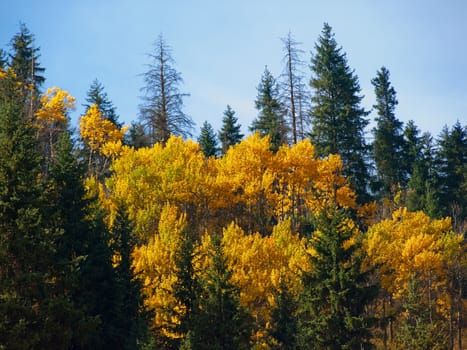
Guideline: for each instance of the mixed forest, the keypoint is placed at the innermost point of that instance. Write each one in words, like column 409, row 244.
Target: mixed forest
column 309, row 232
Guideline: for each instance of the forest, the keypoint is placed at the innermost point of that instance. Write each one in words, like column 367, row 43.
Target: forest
column 309, row 232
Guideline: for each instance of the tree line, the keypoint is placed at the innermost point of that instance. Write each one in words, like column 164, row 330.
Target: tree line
column 299, row 235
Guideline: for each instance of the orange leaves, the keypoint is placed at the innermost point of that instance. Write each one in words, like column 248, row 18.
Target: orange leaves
column 55, row 104
column 97, row 131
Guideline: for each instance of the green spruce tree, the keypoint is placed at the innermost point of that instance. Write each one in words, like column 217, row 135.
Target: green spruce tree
column 220, row 321
column 26, row 243
column 284, row 323
column 451, row 159
column 388, row 144
column 422, row 192
column 207, row 140
column 24, row 59
column 230, row 133
column 97, row 96
column 270, row 120
column 336, row 290
column 338, row 120
column 131, row 319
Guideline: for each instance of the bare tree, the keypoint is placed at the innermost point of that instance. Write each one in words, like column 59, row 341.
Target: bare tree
column 161, row 111
column 294, row 92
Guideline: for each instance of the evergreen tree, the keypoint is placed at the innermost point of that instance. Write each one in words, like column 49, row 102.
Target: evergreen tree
column 270, row 120
column 3, row 59
column 422, row 186
column 221, row 322
column 451, row 159
column 161, row 112
column 284, row 326
column 186, row 288
column 207, row 140
column 136, row 136
column 131, row 322
column 336, row 291
column 419, row 331
column 229, row 134
column 388, row 144
column 338, row 120
column 25, row 58
column 26, row 243
column 83, row 254
column 293, row 89
column 97, row 96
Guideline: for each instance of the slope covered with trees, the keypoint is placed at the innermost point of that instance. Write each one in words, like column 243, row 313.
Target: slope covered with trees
column 147, row 239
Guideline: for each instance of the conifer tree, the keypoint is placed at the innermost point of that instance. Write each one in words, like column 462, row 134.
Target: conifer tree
column 451, row 159
column 388, row 144
column 97, row 96
column 161, row 111
column 207, row 140
column 338, row 120
column 221, row 322
column 284, row 325
column 422, row 186
column 136, row 136
column 230, row 133
column 270, row 120
column 186, row 288
column 131, row 319
column 25, row 58
column 336, row 290
column 26, row 243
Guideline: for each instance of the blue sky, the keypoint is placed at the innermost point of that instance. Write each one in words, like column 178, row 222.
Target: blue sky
column 221, row 48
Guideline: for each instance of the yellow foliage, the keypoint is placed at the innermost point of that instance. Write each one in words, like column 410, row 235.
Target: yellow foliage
column 411, row 245
column 55, row 104
column 154, row 262
column 98, row 131
column 259, row 264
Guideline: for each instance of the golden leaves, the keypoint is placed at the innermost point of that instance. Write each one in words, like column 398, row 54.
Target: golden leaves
column 55, row 104
column 98, row 131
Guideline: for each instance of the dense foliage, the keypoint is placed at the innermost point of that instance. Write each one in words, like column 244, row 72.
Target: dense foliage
column 156, row 241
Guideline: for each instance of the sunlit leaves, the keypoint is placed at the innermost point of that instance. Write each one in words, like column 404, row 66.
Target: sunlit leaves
column 97, row 131
column 55, row 105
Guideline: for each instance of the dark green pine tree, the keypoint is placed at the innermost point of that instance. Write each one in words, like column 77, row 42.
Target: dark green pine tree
column 83, row 251
column 230, row 133
column 271, row 119
column 26, row 243
column 419, row 329
column 97, row 96
column 422, row 193
column 284, row 323
column 3, row 59
column 336, row 290
column 220, row 322
column 207, row 140
column 136, row 136
column 388, row 144
column 338, row 120
column 186, row 288
column 131, row 319
column 451, row 159
column 24, row 60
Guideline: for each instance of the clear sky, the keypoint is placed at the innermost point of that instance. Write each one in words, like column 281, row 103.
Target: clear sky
column 222, row 46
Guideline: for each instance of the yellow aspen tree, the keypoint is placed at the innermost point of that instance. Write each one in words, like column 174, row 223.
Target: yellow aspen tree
column 52, row 117
column 246, row 181
column 259, row 265
column 154, row 263
column 97, row 132
column 411, row 247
